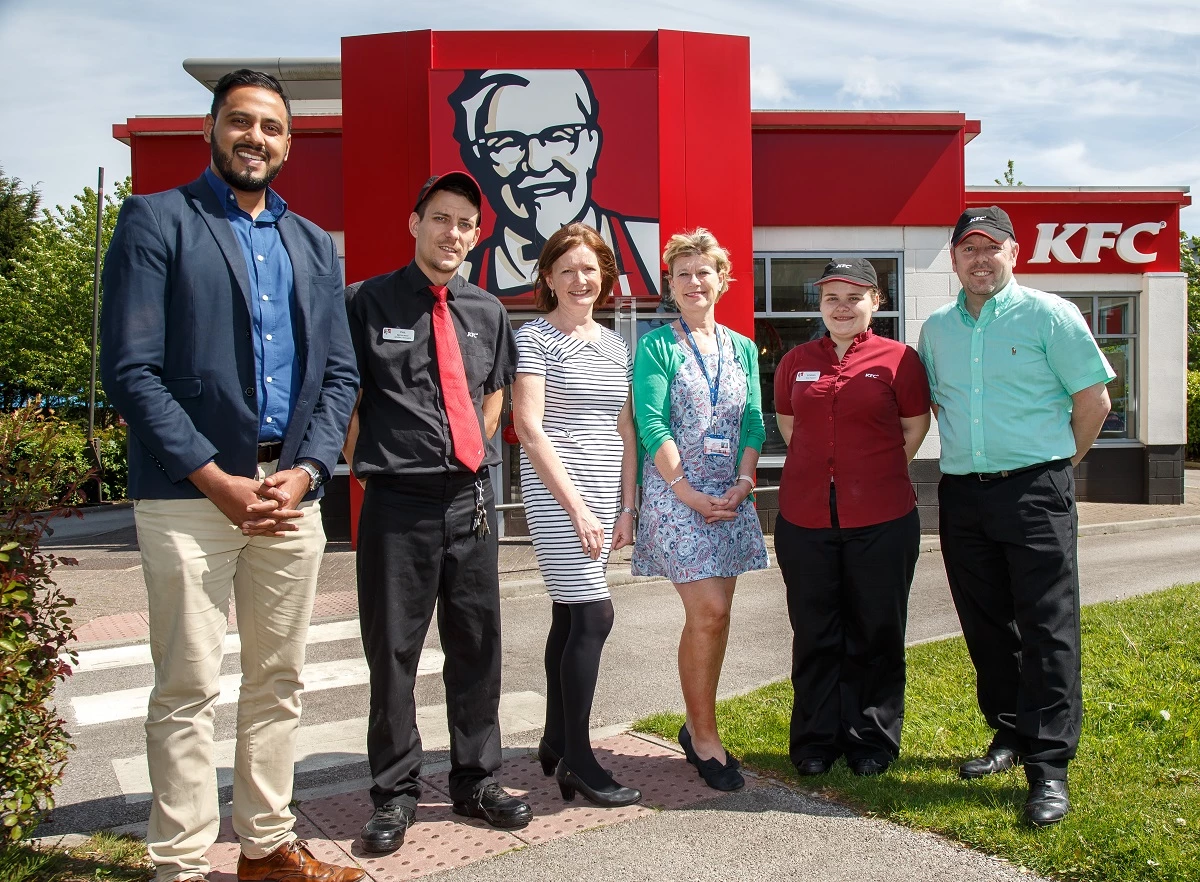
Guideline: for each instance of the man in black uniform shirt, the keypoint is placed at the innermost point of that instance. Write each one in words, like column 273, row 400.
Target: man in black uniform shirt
column 435, row 353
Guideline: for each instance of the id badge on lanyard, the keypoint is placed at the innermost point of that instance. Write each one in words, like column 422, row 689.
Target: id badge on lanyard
column 714, row 444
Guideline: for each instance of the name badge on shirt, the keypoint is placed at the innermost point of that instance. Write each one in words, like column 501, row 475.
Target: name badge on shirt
column 715, row 445
column 404, row 335
column 807, row 376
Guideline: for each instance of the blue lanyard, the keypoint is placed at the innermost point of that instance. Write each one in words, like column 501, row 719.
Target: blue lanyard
column 713, row 388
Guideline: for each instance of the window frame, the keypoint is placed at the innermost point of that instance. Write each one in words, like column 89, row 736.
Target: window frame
column 1133, row 411
column 775, row 460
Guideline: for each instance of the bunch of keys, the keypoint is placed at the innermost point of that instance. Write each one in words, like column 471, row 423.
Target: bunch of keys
column 479, row 522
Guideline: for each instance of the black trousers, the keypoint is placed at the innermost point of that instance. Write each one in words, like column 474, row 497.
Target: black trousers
column 1010, row 548
column 416, row 548
column 847, row 596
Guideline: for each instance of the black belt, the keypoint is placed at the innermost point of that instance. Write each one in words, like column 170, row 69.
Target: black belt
column 1008, row 473
column 268, row 451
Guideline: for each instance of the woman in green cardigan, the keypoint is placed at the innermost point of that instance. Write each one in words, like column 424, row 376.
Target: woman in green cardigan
column 699, row 420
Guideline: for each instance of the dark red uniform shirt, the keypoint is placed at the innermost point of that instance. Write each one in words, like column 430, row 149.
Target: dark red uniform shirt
column 847, row 430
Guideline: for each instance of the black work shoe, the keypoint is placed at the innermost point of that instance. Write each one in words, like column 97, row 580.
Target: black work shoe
column 385, row 831
column 497, row 807
column 998, row 759
column 865, row 767
column 813, row 765
column 1047, row 803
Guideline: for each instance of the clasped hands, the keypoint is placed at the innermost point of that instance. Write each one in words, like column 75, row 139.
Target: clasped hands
column 263, row 508
column 717, row 508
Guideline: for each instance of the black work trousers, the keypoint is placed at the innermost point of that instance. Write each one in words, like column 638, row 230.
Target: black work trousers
column 1010, row 549
column 847, row 596
column 416, row 548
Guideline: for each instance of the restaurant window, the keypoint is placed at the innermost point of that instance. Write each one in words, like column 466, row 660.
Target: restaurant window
column 787, row 313
column 1112, row 319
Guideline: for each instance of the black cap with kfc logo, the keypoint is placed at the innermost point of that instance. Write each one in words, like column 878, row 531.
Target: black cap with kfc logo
column 440, row 182
column 992, row 222
column 855, row 270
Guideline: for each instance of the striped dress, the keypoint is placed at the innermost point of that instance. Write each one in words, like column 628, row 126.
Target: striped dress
column 587, row 384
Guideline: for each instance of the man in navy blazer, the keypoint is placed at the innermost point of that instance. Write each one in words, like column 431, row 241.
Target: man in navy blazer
column 225, row 346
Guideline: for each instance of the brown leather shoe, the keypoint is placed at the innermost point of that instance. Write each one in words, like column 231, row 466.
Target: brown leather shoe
column 293, row 862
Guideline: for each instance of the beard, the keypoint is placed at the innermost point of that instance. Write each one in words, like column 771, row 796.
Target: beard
column 243, row 180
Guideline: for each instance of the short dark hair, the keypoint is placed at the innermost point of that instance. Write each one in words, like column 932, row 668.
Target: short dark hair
column 458, row 190
column 235, row 79
column 566, row 238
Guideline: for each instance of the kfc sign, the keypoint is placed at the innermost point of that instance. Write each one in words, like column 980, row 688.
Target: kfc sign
column 1059, row 232
column 1054, row 242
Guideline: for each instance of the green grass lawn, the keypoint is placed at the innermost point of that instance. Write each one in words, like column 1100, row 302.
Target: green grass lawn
column 102, row 858
column 1135, row 786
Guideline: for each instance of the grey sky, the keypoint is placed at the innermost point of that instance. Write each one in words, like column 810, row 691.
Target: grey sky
column 1078, row 92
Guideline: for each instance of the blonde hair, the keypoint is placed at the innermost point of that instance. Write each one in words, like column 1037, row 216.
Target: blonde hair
column 701, row 243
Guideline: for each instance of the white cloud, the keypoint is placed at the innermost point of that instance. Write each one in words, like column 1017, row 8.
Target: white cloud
column 1097, row 92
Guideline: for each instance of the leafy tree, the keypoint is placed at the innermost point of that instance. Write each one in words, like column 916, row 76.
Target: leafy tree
column 18, row 213
column 1189, row 261
column 1010, row 177
column 46, row 305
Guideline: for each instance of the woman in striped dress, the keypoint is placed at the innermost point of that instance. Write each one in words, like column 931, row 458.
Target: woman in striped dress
column 572, row 412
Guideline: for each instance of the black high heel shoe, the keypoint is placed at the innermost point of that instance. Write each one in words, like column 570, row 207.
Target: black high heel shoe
column 719, row 776
column 548, row 757
column 614, row 797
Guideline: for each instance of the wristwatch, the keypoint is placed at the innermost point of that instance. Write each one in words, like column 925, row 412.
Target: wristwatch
column 315, row 478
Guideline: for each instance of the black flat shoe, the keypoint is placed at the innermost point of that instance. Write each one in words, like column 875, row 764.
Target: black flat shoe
column 813, row 765
column 865, row 767
column 1047, row 803
column 385, row 831
column 997, row 759
column 497, row 807
column 719, row 776
column 548, row 757
column 612, row 796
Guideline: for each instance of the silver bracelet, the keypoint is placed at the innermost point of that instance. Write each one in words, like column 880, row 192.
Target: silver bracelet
column 674, row 481
column 749, row 480
column 630, row 511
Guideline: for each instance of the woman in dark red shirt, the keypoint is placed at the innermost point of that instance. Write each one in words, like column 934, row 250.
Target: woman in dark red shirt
column 853, row 409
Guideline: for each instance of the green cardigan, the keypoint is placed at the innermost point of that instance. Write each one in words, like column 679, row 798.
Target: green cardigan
column 658, row 358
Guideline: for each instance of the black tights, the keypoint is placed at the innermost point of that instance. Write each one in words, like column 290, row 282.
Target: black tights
column 573, row 647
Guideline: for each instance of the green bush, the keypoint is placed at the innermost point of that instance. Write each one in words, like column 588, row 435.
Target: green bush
column 114, row 457
column 1193, row 415
column 39, row 475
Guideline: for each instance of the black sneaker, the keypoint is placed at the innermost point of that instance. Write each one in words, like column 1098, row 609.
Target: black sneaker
column 497, row 807
column 385, row 831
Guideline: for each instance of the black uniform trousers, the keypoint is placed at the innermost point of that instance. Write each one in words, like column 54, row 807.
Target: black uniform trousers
column 416, row 547
column 847, row 597
column 1010, row 549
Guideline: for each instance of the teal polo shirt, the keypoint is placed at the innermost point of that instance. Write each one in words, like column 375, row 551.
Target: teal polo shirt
column 1003, row 383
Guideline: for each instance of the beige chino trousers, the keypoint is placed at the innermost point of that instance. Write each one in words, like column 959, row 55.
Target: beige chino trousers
column 193, row 560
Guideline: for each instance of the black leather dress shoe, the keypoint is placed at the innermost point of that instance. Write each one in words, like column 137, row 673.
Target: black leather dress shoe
column 1047, row 803
column 497, row 807
column 613, row 795
column 865, row 767
column 813, row 765
column 385, row 831
column 998, row 759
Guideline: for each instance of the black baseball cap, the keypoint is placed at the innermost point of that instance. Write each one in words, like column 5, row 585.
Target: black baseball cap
column 992, row 222
column 440, row 182
column 855, row 270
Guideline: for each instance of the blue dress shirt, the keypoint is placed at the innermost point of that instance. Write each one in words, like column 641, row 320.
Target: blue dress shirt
column 276, row 368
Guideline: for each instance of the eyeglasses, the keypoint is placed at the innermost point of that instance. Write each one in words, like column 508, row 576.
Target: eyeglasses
column 510, row 147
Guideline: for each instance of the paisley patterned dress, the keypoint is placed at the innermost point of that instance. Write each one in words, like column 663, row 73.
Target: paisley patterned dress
column 672, row 539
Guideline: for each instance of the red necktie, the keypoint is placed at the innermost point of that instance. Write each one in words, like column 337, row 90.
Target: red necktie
column 460, row 409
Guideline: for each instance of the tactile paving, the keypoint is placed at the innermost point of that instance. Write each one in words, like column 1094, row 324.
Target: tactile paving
column 665, row 778
column 439, row 840
column 126, row 626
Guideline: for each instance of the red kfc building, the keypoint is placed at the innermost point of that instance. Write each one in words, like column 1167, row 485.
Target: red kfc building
column 642, row 134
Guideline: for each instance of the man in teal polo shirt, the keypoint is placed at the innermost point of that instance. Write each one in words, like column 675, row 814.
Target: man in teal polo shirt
column 1018, row 388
